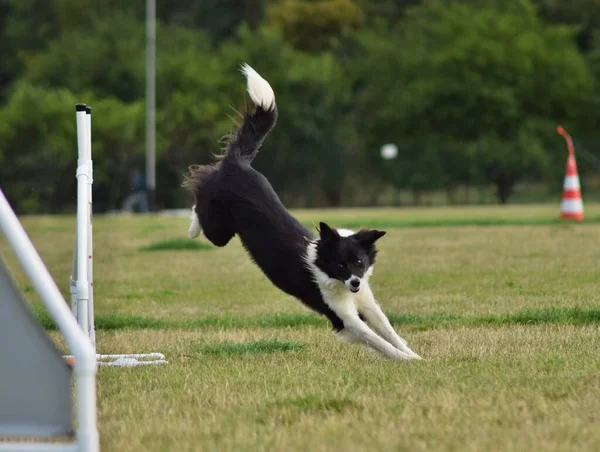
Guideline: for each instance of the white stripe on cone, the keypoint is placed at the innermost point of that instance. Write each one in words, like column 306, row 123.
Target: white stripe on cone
column 571, row 183
column 571, row 205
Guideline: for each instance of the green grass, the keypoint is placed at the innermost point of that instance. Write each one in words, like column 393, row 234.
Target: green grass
column 448, row 222
column 503, row 303
column 550, row 315
column 516, row 215
column 175, row 244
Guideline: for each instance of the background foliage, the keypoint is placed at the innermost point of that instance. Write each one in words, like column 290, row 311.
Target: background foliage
column 470, row 92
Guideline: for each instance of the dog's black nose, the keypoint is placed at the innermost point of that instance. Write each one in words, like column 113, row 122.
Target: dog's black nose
column 355, row 283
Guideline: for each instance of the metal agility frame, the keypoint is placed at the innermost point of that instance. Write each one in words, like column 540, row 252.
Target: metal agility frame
column 86, row 436
column 82, row 273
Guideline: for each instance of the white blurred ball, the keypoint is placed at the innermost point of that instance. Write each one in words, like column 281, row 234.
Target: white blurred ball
column 389, row 151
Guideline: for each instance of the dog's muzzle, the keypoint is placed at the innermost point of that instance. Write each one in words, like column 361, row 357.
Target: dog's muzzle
column 354, row 284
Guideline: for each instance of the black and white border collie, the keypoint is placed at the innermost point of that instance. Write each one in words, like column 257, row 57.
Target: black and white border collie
column 329, row 273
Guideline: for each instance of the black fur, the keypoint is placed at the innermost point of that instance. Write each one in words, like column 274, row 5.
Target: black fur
column 233, row 198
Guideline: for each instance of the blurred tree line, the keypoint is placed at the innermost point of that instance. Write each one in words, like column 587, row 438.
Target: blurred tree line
column 470, row 91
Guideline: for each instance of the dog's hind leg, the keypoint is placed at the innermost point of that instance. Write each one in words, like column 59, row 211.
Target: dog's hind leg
column 375, row 317
column 215, row 222
column 195, row 230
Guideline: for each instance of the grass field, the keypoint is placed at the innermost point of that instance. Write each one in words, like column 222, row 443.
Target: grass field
column 503, row 303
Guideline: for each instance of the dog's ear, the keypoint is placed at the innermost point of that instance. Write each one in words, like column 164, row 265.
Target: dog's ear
column 368, row 237
column 327, row 233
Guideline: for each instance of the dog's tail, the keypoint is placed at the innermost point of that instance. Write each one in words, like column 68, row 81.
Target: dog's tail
column 244, row 144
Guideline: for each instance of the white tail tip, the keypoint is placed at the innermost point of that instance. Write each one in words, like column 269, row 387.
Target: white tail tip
column 259, row 89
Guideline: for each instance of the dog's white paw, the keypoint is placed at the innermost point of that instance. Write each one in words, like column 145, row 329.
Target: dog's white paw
column 406, row 349
column 410, row 352
column 195, row 230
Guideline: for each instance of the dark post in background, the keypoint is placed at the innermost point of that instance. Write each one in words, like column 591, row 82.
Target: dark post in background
column 150, row 103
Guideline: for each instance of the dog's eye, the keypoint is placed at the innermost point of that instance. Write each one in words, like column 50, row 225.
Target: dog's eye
column 358, row 261
column 341, row 265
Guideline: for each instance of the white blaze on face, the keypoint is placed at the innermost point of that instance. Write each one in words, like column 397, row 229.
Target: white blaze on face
column 345, row 232
column 352, row 283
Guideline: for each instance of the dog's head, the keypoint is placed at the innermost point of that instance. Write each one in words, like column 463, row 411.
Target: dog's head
column 347, row 257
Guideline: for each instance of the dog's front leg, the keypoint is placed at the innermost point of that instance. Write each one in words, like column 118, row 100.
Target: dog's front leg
column 357, row 330
column 375, row 317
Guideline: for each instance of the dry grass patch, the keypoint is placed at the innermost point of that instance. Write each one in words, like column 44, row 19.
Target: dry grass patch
column 506, row 318
column 518, row 387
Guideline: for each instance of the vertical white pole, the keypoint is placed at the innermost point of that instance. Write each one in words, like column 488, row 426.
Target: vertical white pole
column 91, row 326
column 87, row 433
column 82, row 220
column 73, row 279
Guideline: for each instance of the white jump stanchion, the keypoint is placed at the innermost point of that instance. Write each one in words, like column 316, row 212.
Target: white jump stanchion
column 83, row 175
column 88, row 155
column 82, row 279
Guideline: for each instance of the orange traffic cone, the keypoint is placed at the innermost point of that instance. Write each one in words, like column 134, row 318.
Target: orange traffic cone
column 571, row 207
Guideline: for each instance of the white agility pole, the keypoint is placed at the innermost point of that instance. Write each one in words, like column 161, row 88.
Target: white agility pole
column 83, row 177
column 87, row 438
column 82, row 279
column 88, row 140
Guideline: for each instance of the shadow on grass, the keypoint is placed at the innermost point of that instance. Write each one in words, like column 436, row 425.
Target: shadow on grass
column 289, row 410
column 263, row 346
column 177, row 244
column 316, row 403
